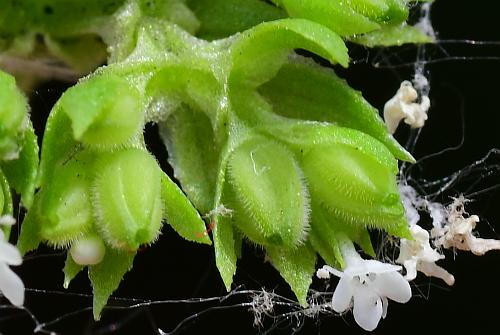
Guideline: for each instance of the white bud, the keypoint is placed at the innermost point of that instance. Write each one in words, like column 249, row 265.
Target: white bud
column 89, row 250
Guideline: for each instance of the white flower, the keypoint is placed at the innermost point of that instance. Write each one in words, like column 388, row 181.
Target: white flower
column 367, row 284
column 402, row 107
column 418, row 255
column 11, row 285
column 457, row 231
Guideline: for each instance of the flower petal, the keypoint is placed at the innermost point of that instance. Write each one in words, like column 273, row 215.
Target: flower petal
column 366, row 266
column 9, row 254
column 11, row 285
column 342, row 296
column 367, row 309
column 385, row 304
column 393, row 286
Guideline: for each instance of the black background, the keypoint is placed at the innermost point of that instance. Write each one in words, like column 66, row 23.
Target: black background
column 464, row 94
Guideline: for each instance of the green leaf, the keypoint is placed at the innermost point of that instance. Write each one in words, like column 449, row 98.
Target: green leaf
column 106, row 276
column 269, row 185
column 339, row 16
column 22, row 172
column 193, row 154
column 180, row 213
column 296, row 266
column 258, row 53
column 393, row 36
column 325, row 228
column 223, row 18
column 373, row 9
column 304, row 90
column 71, row 269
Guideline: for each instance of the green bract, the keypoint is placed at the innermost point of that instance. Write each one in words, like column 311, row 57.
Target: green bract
column 268, row 146
column 105, row 111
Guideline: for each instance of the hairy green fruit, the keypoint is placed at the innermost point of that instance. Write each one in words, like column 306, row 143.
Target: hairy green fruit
column 268, row 185
column 127, row 198
column 354, row 187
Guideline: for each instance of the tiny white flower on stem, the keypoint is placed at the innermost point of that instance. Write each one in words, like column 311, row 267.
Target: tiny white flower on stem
column 366, row 285
column 11, row 285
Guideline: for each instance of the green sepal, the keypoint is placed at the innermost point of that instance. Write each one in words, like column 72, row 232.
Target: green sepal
column 225, row 249
column 106, row 276
column 393, row 36
column 296, row 266
column 180, row 213
column 223, row 18
column 70, row 270
column 327, row 247
column 323, row 236
column 258, row 53
column 269, row 186
column 304, row 90
column 193, row 154
column 29, row 238
column 238, row 242
column 22, row 172
column 339, row 16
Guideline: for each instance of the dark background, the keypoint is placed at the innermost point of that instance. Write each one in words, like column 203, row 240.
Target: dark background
column 464, row 116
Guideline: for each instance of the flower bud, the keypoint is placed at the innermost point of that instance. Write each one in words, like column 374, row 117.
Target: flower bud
column 88, row 250
column 270, row 194
column 127, row 198
column 105, row 111
column 354, row 187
